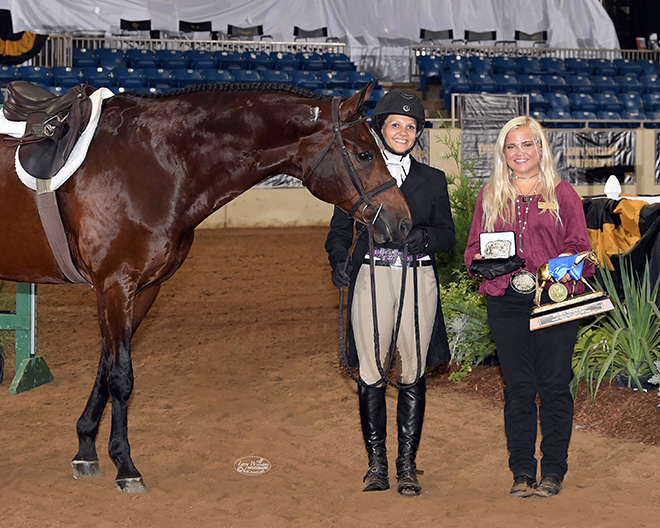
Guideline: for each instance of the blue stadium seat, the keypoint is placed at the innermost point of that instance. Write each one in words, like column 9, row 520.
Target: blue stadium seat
column 580, row 84
column 246, row 75
column 257, row 60
column 507, row 83
column 650, row 83
column 284, row 60
column 538, row 102
column 608, row 102
column 430, row 70
column 582, row 102
column 276, row 76
column 110, row 58
column 8, row 74
column 39, row 75
column 311, row 61
column 97, row 76
column 83, row 57
column 578, row 66
column 632, row 101
column 141, row 58
column 558, row 101
column 629, row 83
column 503, row 64
column 159, row 78
column 479, row 64
column 581, row 117
column 217, row 76
column 171, row 59
column 627, row 67
column 538, row 115
column 649, row 67
column 56, row 90
column 530, row 65
column 333, row 80
column 141, row 90
column 604, row 83
column 611, row 119
column 329, row 92
column 651, row 102
column 360, row 79
column 554, row 83
column 531, row 82
column 482, row 82
column 653, row 115
column 339, row 62
column 636, row 116
column 455, row 63
column 561, row 115
column 128, row 78
column 230, row 60
column 187, row 77
column 349, row 92
column 65, row 76
column 201, row 59
column 455, row 83
column 603, row 67
column 552, row 65
column 306, row 79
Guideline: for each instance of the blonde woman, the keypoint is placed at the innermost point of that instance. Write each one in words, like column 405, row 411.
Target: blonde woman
column 525, row 195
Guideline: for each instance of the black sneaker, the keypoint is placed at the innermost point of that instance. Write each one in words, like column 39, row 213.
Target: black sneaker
column 523, row 486
column 548, row 487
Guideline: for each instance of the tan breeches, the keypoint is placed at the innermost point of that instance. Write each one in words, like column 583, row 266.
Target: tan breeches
column 388, row 291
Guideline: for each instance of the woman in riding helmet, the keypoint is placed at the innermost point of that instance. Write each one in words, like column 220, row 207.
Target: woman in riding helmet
column 398, row 120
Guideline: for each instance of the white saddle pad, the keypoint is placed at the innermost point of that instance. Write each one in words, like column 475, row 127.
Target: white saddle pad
column 78, row 153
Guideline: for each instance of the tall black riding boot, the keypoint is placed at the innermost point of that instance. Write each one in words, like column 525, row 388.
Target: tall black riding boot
column 373, row 415
column 410, row 417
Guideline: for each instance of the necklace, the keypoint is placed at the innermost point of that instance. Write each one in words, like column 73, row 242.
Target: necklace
column 527, row 178
column 522, row 220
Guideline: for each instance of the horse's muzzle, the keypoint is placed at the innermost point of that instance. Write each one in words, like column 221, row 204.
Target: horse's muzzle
column 389, row 229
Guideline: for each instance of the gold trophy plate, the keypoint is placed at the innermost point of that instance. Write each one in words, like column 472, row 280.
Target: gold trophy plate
column 576, row 307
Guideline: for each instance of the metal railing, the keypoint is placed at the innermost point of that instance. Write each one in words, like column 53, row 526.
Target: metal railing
column 58, row 50
column 417, row 50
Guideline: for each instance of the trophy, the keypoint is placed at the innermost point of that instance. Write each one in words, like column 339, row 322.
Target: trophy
column 564, row 306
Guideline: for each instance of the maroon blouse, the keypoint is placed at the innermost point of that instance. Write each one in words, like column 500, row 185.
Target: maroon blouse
column 543, row 237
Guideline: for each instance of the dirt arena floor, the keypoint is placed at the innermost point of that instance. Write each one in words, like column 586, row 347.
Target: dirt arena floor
column 239, row 358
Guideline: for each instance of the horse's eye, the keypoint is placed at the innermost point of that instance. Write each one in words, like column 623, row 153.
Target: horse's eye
column 367, row 155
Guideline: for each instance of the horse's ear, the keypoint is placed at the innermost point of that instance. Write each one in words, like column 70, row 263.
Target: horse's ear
column 352, row 105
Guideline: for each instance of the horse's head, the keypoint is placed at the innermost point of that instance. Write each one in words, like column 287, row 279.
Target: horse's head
column 346, row 169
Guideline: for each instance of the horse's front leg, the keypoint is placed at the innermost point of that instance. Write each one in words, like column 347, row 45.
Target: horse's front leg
column 119, row 315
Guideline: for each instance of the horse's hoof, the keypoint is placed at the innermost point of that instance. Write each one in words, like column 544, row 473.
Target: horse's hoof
column 131, row 485
column 85, row 469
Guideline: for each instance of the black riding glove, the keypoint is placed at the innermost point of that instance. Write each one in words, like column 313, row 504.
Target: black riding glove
column 418, row 241
column 340, row 278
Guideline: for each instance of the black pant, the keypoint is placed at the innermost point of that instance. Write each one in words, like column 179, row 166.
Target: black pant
column 537, row 362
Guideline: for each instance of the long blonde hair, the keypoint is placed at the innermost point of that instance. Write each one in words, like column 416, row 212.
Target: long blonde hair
column 499, row 196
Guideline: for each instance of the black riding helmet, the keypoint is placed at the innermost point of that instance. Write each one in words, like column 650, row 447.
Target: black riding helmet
column 401, row 102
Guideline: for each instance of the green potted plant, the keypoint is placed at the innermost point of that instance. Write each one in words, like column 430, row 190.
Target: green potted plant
column 622, row 344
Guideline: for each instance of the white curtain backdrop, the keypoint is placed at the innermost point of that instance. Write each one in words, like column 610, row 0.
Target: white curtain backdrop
column 378, row 32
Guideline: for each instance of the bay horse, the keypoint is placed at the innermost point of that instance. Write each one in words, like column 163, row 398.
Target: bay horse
column 160, row 164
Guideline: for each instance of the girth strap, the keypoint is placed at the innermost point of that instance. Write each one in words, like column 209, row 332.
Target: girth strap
column 51, row 220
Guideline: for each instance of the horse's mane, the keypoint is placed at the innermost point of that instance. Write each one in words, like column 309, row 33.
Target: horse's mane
column 236, row 87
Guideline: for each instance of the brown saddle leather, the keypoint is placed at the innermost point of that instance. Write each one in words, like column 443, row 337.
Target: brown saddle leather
column 54, row 124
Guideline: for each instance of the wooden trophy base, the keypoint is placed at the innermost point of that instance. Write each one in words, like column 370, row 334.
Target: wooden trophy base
column 576, row 307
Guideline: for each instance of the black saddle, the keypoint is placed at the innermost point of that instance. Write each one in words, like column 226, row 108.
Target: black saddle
column 54, row 124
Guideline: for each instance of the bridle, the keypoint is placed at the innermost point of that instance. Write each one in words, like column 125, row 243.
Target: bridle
column 365, row 196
